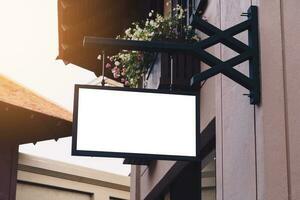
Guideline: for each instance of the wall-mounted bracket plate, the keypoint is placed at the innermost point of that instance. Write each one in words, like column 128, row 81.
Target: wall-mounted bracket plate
column 246, row 52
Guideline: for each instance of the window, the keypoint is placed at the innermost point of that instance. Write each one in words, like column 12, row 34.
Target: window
column 208, row 177
column 115, row 198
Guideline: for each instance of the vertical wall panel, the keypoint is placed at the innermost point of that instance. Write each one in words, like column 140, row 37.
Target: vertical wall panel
column 270, row 115
column 212, row 14
column 237, row 115
column 291, row 44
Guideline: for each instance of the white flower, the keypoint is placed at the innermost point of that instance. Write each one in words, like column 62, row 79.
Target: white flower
column 159, row 18
column 152, row 23
column 151, row 34
column 117, row 63
column 128, row 32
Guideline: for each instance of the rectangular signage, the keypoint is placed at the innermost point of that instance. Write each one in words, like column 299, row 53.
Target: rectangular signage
column 135, row 123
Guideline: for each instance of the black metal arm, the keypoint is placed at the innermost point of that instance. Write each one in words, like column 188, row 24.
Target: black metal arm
column 246, row 52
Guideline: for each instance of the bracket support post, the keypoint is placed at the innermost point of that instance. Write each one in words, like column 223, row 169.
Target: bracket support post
column 254, row 62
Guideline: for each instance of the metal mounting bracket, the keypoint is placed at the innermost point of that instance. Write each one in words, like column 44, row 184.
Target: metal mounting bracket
column 246, row 52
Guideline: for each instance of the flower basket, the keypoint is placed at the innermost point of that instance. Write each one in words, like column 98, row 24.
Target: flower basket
column 129, row 67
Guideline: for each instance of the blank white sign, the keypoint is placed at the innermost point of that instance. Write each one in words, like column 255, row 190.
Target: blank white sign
column 120, row 121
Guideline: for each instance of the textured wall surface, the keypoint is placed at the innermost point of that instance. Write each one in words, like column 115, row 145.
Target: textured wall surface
column 236, row 170
column 291, row 44
column 257, row 147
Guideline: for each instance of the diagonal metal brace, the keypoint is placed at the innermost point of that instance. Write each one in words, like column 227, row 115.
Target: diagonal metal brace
column 246, row 52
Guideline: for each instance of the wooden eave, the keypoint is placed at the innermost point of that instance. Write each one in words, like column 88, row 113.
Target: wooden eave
column 26, row 117
column 105, row 18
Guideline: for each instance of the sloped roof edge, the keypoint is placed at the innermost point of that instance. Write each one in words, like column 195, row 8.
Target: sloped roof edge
column 15, row 94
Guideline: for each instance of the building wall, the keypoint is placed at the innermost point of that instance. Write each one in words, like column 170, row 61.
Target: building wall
column 29, row 191
column 8, row 168
column 46, row 179
column 257, row 147
column 235, row 131
column 276, row 137
column 291, row 44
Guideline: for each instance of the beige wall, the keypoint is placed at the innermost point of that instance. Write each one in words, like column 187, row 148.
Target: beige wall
column 235, row 151
column 270, row 118
column 46, row 179
column 257, row 147
column 29, row 191
column 291, row 60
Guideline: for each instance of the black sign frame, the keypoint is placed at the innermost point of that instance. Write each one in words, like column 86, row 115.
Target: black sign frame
column 76, row 152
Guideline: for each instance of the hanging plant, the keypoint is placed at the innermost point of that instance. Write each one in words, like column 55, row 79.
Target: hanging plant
column 130, row 66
